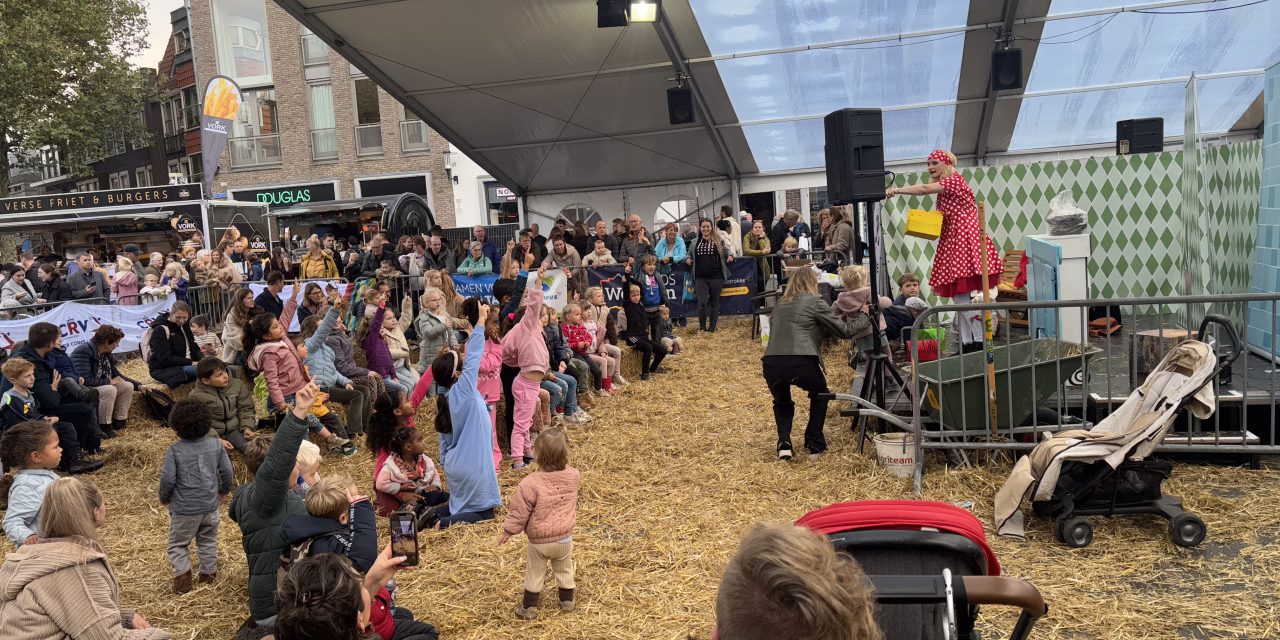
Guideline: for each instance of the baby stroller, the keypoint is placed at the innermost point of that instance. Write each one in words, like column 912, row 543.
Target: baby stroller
column 929, row 564
column 1104, row 470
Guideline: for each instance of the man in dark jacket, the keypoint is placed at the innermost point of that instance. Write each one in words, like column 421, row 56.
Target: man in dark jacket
column 84, row 439
column 602, row 233
column 269, row 300
column 174, row 351
column 439, row 256
column 378, row 252
column 779, row 233
column 261, row 506
column 88, row 283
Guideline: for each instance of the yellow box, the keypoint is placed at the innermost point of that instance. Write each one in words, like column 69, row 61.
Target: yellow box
column 924, row 224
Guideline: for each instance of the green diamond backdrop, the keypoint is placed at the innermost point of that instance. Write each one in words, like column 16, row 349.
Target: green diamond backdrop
column 1134, row 206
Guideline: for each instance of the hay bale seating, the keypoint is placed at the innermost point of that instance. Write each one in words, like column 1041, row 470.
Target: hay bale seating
column 666, row 497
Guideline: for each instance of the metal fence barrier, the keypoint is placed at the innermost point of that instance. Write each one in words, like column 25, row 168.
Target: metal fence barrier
column 21, row 312
column 215, row 302
column 1051, row 375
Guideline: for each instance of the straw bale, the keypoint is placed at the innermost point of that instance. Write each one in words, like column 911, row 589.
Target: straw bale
column 676, row 469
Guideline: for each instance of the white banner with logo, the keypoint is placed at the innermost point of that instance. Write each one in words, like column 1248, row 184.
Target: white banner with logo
column 325, row 285
column 78, row 322
column 555, row 288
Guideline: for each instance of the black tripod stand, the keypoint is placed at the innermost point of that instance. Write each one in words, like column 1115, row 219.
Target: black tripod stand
column 878, row 361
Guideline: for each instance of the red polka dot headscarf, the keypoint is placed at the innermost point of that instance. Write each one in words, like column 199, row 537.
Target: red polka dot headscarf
column 943, row 157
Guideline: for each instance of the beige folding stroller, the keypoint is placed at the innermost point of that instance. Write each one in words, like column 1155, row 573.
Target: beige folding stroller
column 1104, row 471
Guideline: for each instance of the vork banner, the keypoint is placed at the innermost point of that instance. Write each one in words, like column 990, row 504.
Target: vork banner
column 221, row 105
column 734, row 300
column 77, row 322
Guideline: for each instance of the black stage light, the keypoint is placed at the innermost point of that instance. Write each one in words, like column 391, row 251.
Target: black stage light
column 611, row 13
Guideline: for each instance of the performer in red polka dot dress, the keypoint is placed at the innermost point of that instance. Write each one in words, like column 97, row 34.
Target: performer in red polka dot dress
column 957, row 265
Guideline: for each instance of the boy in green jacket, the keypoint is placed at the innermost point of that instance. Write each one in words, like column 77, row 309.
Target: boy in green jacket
column 230, row 402
column 260, row 507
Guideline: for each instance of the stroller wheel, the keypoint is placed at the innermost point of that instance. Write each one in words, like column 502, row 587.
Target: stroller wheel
column 1075, row 532
column 1187, row 530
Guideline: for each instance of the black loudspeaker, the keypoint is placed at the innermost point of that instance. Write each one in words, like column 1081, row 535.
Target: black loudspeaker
column 680, row 105
column 1006, row 69
column 855, row 155
column 611, row 13
column 1143, row 135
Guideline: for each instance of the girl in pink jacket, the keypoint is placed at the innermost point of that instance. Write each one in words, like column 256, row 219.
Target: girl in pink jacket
column 274, row 355
column 525, row 347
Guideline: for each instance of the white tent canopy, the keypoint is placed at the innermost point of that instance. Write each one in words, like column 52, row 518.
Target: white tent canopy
column 545, row 101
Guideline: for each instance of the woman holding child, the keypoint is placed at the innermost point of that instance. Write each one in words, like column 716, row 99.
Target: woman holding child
column 957, row 265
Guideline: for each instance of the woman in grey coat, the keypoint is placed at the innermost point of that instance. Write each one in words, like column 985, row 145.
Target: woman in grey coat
column 794, row 358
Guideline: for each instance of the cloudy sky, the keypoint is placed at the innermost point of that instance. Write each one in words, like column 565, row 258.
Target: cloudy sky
column 158, row 38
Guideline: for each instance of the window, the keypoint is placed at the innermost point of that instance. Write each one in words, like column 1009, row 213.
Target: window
column 87, row 185
column 190, row 108
column 368, row 118
column 414, row 135
column 193, row 169
column 50, row 164
column 171, row 115
column 314, row 50
column 143, row 175
column 675, row 209
column 817, row 202
column 324, row 134
column 181, row 41
column 119, row 180
column 176, row 175
column 240, row 37
column 255, row 135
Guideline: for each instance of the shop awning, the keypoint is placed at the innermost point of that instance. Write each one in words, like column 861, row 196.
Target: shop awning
column 103, row 214
column 545, row 101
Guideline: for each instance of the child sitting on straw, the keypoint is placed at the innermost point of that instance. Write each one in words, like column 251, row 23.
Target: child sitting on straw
column 408, row 480
column 601, row 321
column 192, row 493
column 544, row 508
column 673, row 343
column 583, row 342
column 229, row 401
column 778, row 565
column 208, row 341
column 30, row 451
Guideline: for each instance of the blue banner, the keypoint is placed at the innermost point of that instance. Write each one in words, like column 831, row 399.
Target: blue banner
column 475, row 286
column 735, row 300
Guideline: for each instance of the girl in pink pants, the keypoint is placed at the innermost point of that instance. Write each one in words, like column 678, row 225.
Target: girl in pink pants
column 525, row 347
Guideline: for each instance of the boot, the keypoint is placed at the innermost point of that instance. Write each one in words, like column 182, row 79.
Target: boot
column 119, row 425
column 207, row 578
column 106, row 432
column 567, row 601
column 182, row 583
column 528, row 610
column 607, row 383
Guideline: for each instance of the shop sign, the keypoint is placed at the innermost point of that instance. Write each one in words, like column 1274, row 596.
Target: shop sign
column 185, row 225
column 278, row 197
column 258, row 243
column 159, row 195
column 498, row 194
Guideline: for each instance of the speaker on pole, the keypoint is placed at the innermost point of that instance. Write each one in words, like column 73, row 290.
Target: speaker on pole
column 680, row 105
column 1006, row 69
column 855, row 155
column 1141, row 135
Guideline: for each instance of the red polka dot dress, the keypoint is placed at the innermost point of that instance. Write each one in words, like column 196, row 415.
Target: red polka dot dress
column 957, row 266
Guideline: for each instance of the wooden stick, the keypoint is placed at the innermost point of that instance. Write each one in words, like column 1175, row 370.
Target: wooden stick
column 987, row 328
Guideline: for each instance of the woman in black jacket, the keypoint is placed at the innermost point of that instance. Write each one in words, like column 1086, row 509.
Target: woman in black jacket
column 51, row 285
column 174, row 351
column 710, row 261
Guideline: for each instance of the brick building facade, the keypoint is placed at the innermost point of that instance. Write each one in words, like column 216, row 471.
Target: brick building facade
column 291, row 146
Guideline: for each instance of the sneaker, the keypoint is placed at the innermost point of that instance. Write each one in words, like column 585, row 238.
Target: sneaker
column 814, row 457
column 605, row 393
column 644, row 376
column 568, row 606
column 618, row 379
column 526, row 613
column 572, row 420
column 516, row 466
column 348, row 450
column 337, row 444
column 584, row 416
column 784, row 451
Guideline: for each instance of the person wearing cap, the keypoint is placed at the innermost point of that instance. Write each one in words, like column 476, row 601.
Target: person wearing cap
column 957, row 264
column 134, row 254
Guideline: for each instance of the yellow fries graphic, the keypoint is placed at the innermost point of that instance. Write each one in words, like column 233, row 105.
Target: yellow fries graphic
column 222, row 99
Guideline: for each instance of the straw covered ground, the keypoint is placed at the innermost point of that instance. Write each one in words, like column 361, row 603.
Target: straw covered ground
column 676, row 469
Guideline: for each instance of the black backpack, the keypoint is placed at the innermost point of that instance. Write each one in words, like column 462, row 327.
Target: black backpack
column 299, row 551
column 159, row 404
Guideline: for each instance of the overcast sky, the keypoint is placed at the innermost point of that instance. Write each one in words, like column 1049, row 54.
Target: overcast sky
column 160, row 30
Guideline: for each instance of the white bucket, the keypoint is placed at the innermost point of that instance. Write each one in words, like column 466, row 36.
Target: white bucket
column 896, row 452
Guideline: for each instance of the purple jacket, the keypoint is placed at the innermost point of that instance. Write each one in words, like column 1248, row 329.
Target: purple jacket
column 375, row 348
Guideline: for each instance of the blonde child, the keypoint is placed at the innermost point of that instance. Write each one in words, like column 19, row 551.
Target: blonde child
column 194, row 481
column 672, row 342
column 525, row 347
column 30, row 451
column 601, row 322
column 790, row 248
column 544, row 508
column 307, row 467
column 853, row 304
column 152, row 290
column 208, row 341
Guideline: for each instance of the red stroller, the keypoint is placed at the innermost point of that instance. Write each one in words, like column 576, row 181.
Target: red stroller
column 930, row 565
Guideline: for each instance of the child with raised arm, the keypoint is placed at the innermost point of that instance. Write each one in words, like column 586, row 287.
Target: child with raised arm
column 525, row 347
column 193, row 493
column 544, row 508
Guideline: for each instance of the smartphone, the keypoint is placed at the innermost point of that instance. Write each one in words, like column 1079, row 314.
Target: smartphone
column 404, row 537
